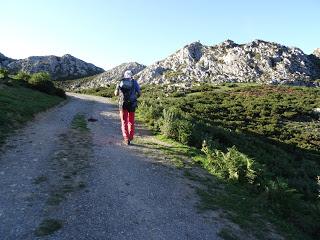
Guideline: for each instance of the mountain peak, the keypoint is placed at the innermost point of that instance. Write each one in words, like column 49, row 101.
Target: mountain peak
column 228, row 43
column 67, row 56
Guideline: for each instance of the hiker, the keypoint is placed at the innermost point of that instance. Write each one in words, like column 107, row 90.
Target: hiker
column 128, row 90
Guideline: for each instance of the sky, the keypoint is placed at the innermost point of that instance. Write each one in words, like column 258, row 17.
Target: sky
column 110, row 32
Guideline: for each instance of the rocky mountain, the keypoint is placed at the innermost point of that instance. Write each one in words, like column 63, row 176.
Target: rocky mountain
column 5, row 61
column 317, row 53
column 65, row 67
column 104, row 79
column 257, row 61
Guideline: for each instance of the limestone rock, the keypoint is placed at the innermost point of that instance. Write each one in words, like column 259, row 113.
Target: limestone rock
column 317, row 52
column 65, row 67
column 4, row 61
column 104, row 79
column 258, row 61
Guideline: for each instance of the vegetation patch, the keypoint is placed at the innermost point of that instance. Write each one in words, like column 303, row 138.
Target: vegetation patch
column 101, row 91
column 19, row 104
column 264, row 139
column 170, row 74
column 48, row 227
column 40, row 179
column 79, row 122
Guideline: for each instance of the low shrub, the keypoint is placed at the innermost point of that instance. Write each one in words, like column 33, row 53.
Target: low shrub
column 170, row 123
column 42, row 82
column 232, row 165
column 4, row 73
column 23, row 76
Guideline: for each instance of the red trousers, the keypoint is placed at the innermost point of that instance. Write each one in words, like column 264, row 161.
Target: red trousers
column 127, row 124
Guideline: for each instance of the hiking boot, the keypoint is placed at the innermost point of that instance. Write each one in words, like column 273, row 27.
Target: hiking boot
column 126, row 142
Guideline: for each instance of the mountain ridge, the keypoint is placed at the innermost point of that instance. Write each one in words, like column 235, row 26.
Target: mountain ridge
column 64, row 67
column 104, row 79
column 257, row 61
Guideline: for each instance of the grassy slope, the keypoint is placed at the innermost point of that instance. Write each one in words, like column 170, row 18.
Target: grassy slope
column 19, row 104
column 275, row 126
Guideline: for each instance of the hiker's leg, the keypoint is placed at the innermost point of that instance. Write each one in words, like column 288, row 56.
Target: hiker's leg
column 124, row 123
column 131, row 125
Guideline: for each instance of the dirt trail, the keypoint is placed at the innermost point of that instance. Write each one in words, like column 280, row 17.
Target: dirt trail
column 91, row 186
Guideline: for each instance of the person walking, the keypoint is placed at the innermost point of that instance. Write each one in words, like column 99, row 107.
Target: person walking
column 128, row 91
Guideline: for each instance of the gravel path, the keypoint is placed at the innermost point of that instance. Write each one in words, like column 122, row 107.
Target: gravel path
column 121, row 194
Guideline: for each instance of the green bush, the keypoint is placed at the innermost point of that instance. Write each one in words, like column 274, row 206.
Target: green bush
column 101, row 91
column 42, row 82
column 60, row 93
column 170, row 123
column 185, row 131
column 23, row 76
column 151, row 113
column 232, row 165
column 4, row 73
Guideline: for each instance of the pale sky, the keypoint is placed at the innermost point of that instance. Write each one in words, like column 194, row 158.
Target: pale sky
column 110, row 32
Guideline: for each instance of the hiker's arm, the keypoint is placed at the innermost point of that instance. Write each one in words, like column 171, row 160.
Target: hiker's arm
column 138, row 90
column 116, row 92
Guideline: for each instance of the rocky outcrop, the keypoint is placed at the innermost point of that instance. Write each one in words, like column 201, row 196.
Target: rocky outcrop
column 257, row 61
column 104, row 79
column 65, row 67
column 317, row 52
column 5, row 61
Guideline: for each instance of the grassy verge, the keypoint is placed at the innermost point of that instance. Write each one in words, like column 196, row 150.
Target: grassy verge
column 19, row 105
column 239, row 204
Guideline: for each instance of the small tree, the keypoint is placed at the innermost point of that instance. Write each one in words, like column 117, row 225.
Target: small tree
column 23, row 76
column 42, row 82
column 4, row 73
column 39, row 77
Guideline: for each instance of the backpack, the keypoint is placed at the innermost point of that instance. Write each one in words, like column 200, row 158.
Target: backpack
column 127, row 88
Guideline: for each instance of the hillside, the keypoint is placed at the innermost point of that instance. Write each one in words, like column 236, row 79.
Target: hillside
column 266, row 138
column 65, row 67
column 102, row 80
column 257, row 61
column 19, row 105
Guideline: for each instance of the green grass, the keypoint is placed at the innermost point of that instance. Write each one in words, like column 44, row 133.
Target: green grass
column 107, row 92
column 79, row 122
column 249, row 212
column 19, row 105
